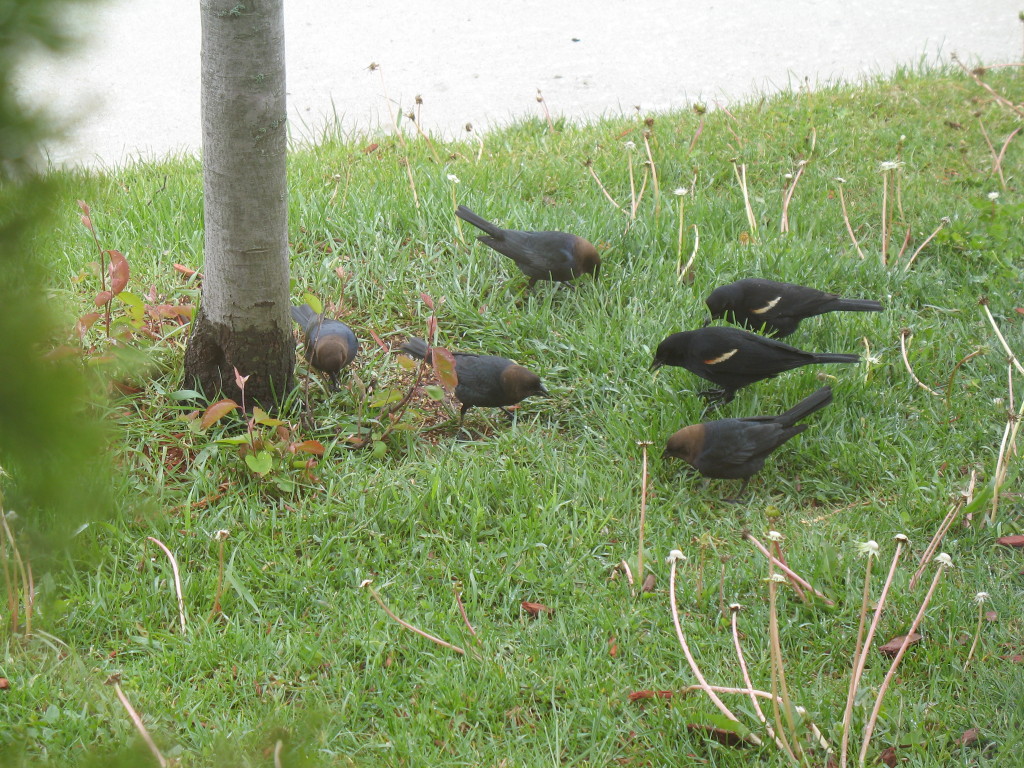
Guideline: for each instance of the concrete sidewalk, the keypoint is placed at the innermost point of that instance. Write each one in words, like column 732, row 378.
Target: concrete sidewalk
column 132, row 89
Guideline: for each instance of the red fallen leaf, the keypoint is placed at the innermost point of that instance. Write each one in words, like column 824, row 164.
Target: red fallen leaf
column 1019, row 310
column 125, row 388
column 893, row 646
column 1017, row 658
column 625, row 133
column 648, row 585
column 167, row 311
column 535, row 609
column 968, row 737
column 308, row 446
column 370, row 148
column 380, row 343
column 119, row 272
column 991, row 616
column 216, row 412
column 722, row 736
column 639, row 695
column 187, row 271
column 888, row 757
column 1016, row 541
column 613, row 647
column 4, row 684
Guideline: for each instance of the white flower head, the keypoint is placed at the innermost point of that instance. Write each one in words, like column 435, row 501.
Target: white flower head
column 778, row 578
column 998, row 401
column 735, row 607
column 680, row 191
column 675, row 555
column 222, row 534
column 453, row 178
column 903, row 137
column 869, row 548
column 775, row 536
column 365, row 583
column 840, row 179
column 993, row 196
column 889, row 165
column 787, row 176
column 981, row 597
column 630, row 145
column 901, row 538
column 944, row 559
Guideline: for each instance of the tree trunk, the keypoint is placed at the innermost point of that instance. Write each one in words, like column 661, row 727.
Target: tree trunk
column 243, row 321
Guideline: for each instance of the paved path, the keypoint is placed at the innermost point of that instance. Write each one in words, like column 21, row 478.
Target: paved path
column 133, row 89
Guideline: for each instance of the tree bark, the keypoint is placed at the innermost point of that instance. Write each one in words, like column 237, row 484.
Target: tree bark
column 243, row 320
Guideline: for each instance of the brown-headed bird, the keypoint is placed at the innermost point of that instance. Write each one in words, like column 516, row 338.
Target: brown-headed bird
column 330, row 344
column 776, row 307
column 732, row 358
column 540, row 255
column 737, row 448
column 485, row 380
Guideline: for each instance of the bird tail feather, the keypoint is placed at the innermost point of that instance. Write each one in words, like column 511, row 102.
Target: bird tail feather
column 467, row 215
column 836, row 357
column 303, row 315
column 414, row 347
column 859, row 305
column 813, row 402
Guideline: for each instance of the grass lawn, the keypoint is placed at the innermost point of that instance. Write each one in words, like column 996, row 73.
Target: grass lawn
column 303, row 666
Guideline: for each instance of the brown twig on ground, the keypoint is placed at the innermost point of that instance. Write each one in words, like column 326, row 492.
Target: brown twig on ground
column 407, row 625
column 904, row 335
column 933, row 545
column 139, row 726
column 590, row 167
column 643, row 511
column 999, row 98
column 462, row 610
column 942, row 223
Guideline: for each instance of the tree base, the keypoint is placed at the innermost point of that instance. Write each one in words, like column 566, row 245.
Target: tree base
column 269, row 353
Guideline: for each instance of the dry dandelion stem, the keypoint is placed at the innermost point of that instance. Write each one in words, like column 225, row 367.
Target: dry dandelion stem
column 139, row 726
column 643, row 511
column 846, row 220
column 177, row 579
column 943, row 528
column 904, row 335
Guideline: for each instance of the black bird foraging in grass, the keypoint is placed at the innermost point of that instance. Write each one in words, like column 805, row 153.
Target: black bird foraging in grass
column 540, row 255
column 485, row 380
column 737, row 448
column 732, row 358
column 776, row 307
column 330, row 344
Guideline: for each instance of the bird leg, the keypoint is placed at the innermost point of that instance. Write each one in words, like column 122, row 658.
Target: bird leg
column 738, row 498
column 718, row 396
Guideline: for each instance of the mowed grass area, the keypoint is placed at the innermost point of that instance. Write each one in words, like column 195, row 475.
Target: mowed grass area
column 543, row 508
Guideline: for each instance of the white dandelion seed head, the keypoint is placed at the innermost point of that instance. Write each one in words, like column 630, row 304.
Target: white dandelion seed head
column 778, row 578
column 453, row 178
column 365, row 583
column 222, row 534
column 981, row 597
column 734, row 607
column 675, row 555
column 944, row 559
column 869, row 548
column 901, row 538
column 993, row 195
column 680, row 191
column 775, row 536
column 630, row 145
column 840, row 179
column 889, row 165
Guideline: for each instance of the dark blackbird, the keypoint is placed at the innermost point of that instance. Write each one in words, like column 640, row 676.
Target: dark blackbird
column 776, row 307
column 330, row 344
column 485, row 380
column 732, row 358
column 540, row 255
column 737, row 448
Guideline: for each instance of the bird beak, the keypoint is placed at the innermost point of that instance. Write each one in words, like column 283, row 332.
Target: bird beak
column 543, row 392
column 655, row 365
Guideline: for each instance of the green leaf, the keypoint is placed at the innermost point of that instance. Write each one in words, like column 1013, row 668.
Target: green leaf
column 434, row 393
column 260, row 417
column 261, row 463
column 135, row 307
column 314, row 302
column 379, row 449
column 386, row 397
